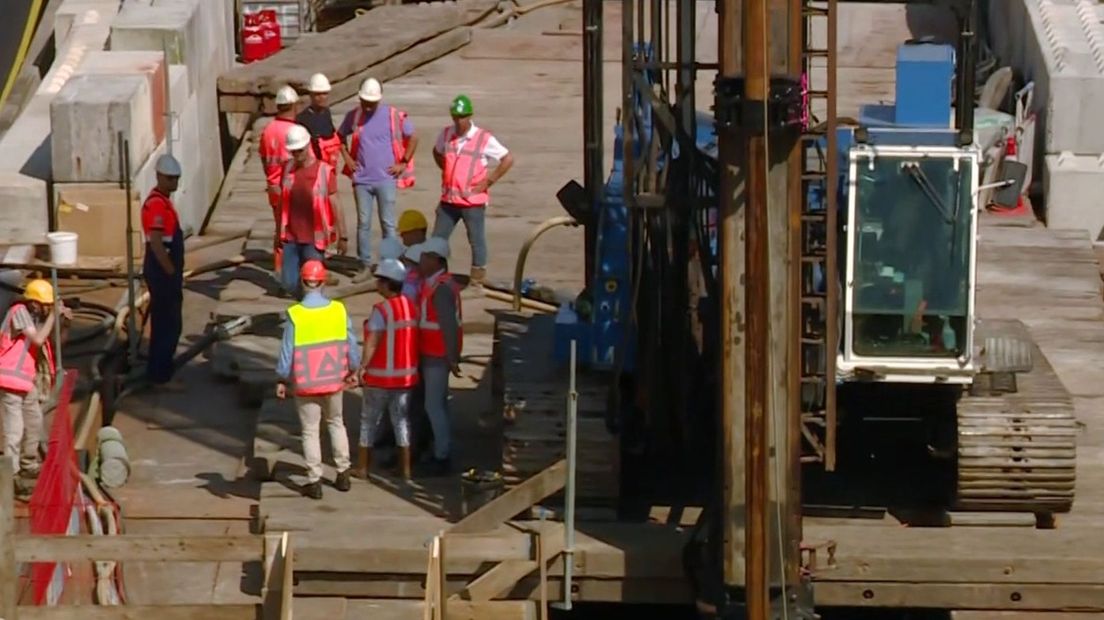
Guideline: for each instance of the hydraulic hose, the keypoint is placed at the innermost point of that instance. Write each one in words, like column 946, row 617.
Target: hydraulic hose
column 523, row 254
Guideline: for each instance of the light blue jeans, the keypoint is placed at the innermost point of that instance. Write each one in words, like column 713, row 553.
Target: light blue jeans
column 435, row 375
column 474, row 222
column 295, row 254
column 381, row 194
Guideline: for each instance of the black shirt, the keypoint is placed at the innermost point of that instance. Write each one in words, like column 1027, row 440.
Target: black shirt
column 319, row 123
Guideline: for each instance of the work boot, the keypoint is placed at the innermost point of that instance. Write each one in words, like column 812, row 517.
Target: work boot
column 478, row 276
column 404, row 463
column 364, row 462
column 23, row 489
column 313, row 490
column 342, row 482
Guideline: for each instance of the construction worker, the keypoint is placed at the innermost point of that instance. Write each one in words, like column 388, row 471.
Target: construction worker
column 274, row 157
column 325, row 141
column 412, row 227
column 382, row 143
column 462, row 153
column 26, row 373
column 440, row 340
column 311, row 218
column 318, row 359
column 163, row 268
column 389, row 367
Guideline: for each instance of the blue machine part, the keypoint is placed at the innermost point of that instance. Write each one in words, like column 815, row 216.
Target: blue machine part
column 925, row 74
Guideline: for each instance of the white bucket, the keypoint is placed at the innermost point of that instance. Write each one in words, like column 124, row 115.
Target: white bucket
column 63, row 247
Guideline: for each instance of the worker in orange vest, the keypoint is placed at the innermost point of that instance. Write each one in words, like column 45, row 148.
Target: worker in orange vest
column 389, row 367
column 274, row 158
column 440, row 341
column 163, row 269
column 462, row 153
column 26, row 373
column 325, row 141
column 318, row 358
column 311, row 218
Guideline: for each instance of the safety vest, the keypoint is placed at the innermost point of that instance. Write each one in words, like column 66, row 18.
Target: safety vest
column 431, row 341
column 273, row 149
column 17, row 358
column 324, row 231
column 394, row 363
column 399, row 143
column 330, row 149
column 464, row 169
column 321, row 349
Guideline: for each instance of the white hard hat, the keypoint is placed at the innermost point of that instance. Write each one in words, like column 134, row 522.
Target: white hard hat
column 391, row 247
column 286, row 95
column 168, row 166
column 370, row 90
column 391, row 269
column 413, row 253
column 318, row 84
column 436, row 245
column 297, row 138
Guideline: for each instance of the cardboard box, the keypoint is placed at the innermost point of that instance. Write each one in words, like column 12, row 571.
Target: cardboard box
column 97, row 213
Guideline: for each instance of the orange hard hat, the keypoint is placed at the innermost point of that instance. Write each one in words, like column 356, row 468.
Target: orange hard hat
column 313, row 271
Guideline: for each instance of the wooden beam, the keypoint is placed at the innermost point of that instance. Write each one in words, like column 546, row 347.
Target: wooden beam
column 1038, row 597
column 397, row 609
column 278, row 573
column 139, row 548
column 8, row 576
column 140, row 612
column 496, row 581
column 514, row 501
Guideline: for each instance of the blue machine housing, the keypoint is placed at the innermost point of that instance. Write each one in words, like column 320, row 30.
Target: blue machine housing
column 925, row 72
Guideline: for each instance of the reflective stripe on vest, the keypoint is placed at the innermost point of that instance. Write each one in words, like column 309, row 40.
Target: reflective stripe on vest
column 395, row 363
column 323, row 210
column 430, row 339
column 399, row 143
column 330, row 149
column 17, row 363
column 464, row 169
column 321, row 348
column 273, row 149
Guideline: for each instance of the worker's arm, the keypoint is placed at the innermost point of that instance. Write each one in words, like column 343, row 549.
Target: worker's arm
column 445, row 303
column 157, row 244
column 347, row 157
column 407, row 155
column 38, row 335
column 339, row 218
column 354, row 353
column 494, row 150
column 439, row 151
column 501, row 169
column 283, row 361
column 370, row 344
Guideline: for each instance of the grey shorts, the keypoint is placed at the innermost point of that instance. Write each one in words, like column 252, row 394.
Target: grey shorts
column 396, row 403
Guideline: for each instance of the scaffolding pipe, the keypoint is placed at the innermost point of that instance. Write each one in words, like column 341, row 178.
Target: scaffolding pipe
column 569, row 517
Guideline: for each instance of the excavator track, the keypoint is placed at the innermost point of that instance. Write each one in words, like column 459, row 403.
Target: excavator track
column 1016, row 430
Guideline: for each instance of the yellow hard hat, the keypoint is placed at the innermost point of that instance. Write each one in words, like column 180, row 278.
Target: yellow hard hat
column 40, row 291
column 412, row 219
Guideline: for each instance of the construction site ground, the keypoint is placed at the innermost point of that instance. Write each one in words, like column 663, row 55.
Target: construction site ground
column 190, row 451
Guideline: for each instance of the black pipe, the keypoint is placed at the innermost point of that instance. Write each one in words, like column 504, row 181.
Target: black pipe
column 592, row 122
column 966, row 78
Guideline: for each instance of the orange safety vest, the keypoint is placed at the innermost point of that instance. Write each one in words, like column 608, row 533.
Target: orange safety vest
column 330, row 148
column 320, row 358
column 464, row 169
column 273, row 149
column 17, row 358
column 431, row 341
column 399, row 143
column 324, row 231
column 394, row 363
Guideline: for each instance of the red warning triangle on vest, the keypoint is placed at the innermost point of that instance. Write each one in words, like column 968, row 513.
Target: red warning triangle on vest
column 328, row 366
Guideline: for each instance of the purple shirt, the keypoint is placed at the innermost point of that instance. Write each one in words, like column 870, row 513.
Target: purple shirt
column 374, row 155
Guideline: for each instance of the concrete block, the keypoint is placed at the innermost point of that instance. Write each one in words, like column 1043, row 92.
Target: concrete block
column 171, row 27
column 1073, row 192
column 25, row 211
column 149, row 64
column 85, row 119
column 73, row 13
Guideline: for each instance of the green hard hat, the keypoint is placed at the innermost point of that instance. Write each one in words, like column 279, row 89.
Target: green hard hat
column 461, row 106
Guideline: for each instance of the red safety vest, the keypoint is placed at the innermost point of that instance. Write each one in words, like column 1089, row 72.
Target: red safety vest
column 464, row 169
column 431, row 341
column 17, row 358
column 399, row 143
column 324, row 231
column 320, row 359
column 273, row 148
column 394, row 363
column 331, row 149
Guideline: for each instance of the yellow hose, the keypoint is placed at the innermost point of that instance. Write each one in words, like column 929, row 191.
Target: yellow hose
column 21, row 54
column 519, row 267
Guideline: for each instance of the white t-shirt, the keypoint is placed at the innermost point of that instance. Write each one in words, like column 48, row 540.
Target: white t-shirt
column 494, row 149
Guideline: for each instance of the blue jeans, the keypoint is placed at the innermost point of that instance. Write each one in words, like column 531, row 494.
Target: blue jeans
column 383, row 194
column 435, row 377
column 295, row 254
column 474, row 222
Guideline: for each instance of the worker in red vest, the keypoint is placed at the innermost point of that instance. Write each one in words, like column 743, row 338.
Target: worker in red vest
column 163, row 269
column 440, row 341
column 318, row 358
column 462, row 153
column 325, row 141
column 311, row 219
column 389, row 367
column 26, row 373
column 274, row 158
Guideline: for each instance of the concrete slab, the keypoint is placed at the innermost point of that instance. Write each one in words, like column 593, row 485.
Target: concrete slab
column 150, row 64
column 1073, row 184
column 26, row 213
column 170, row 26
column 86, row 117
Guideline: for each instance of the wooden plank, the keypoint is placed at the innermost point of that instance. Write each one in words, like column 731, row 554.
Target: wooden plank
column 162, row 503
column 467, row 552
column 139, row 548
column 140, row 612
column 8, row 576
column 1050, row 597
column 278, row 572
column 514, row 501
column 382, row 609
column 496, row 581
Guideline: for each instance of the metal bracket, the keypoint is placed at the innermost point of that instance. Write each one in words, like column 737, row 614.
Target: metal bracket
column 783, row 107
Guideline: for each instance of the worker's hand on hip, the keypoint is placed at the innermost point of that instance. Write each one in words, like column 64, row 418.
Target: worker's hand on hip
column 281, row 391
column 481, row 186
column 396, row 170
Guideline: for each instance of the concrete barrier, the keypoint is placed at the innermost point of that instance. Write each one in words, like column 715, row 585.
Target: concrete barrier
column 1073, row 192
column 24, row 209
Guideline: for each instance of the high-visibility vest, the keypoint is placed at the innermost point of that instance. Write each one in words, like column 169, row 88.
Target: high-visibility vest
column 394, row 363
column 399, row 143
column 321, row 348
column 324, row 231
column 464, row 169
column 17, row 358
column 273, row 149
column 330, row 149
column 431, row 341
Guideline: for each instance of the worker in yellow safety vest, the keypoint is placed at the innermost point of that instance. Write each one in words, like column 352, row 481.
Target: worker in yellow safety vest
column 318, row 359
